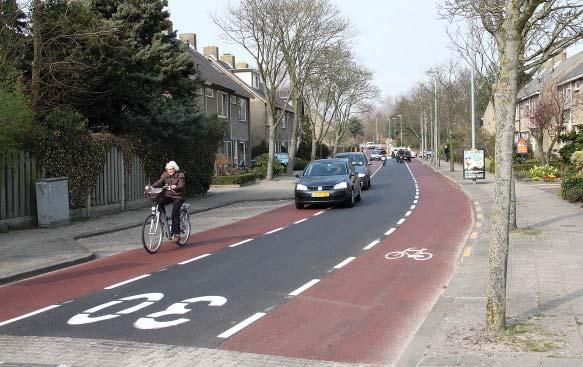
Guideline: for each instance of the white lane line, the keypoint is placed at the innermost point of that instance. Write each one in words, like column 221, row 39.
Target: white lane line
column 375, row 172
column 371, row 245
column 344, row 262
column 415, row 201
column 318, row 213
column 240, row 326
column 412, row 207
column 28, row 315
column 304, row 287
column 275, row 230
column 408, row 213
column 300, row 221
column 241, row 242
column 194, row 259
column 400, row 221
column 388, row 233
column 127, row 281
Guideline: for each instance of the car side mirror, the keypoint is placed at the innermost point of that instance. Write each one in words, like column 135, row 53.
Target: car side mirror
column 298, row 176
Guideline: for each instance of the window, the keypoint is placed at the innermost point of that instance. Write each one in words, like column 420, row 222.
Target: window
column 254, row 81
column 210, row 93
column 223, row 105
column 284, row 120
column 242, row 109
column 233, row 99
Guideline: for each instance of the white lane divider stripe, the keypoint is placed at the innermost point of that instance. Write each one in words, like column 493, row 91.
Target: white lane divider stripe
column 240, row 326
column 127, row 281
column 415, row 201
column 371, row 245
column 300, row 221
column 408, row 213
column 304, row 287
column 193, row 259
column 318, row 213
column 412, row 207
column 275, row 230
column 375, row 172
column 390, row 231
column 241, row 242
column 28, row 315
column 400, row 221
column 344, row 262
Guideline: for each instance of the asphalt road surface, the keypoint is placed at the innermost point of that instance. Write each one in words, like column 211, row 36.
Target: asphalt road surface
column 319, row 283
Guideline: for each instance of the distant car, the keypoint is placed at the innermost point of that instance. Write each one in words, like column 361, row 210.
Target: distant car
column 283, row 158
column 360, row 164
column 376, row 155
column 370, row 145
column 407, row 155
column 328, row 181
column 413, row 154
column 427, row 154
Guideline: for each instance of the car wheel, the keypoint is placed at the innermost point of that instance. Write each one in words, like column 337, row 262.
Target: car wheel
column 299, row 205
column 358, row 198
column 350, row 200
column 368, row 184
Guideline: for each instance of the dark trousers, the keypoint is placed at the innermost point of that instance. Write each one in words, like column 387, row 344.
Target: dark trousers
column 176, row 204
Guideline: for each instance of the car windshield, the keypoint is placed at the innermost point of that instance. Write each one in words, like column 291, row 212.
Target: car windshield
column 355, row 159
column 326, row 169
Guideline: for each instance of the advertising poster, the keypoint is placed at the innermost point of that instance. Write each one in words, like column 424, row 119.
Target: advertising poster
column 474, row 164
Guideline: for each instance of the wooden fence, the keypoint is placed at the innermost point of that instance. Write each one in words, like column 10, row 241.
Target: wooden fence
column 116, row 188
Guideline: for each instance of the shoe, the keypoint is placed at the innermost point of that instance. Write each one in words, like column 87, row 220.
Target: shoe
column 175, row 239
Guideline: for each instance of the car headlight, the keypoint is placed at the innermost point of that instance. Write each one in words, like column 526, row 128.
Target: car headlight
column 361, row 175
column 301, row 187
column 341, row 185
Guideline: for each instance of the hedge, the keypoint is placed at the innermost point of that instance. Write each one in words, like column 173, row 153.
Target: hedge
column 572, row 188
column 233, row 179
column 300, row 164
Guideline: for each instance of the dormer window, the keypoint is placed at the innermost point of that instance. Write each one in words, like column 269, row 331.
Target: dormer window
column 254, row 80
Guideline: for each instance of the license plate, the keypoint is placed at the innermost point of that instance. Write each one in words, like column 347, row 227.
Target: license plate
column 320, row 194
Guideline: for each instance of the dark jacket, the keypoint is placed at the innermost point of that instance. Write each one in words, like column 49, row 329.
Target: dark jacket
column 176, row 179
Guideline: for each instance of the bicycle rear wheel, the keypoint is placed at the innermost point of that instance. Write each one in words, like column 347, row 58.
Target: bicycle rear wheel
column 152, row 234
column 184, row 228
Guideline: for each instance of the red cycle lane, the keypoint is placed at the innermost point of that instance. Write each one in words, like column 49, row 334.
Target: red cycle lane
column 367, row 311
column 30, row 295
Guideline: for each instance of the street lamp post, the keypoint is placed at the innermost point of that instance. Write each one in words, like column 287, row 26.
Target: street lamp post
column 376, row 121
column 394, row 119
column 401, row 133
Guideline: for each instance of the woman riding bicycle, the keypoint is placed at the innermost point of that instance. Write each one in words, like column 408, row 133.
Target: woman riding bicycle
column 174, row 180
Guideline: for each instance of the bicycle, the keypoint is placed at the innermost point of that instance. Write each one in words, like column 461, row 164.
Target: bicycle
column 412, row 252
column 156, row 225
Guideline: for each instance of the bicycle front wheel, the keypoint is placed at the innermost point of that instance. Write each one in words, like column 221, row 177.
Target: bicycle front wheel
column 152, row 234
column 184, row 228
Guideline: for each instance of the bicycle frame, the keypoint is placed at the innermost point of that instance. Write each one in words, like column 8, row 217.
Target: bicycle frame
column 157, row 212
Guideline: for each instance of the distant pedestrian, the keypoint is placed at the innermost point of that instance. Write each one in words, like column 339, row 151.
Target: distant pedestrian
column 446, row 152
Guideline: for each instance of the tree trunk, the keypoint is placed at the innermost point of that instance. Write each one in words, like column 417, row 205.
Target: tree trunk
column 272, row 128
column 512, row 216
column 294, row 136
column 539, row 148
column 505, row 102
column 451, row 154
column 336, row 142
column 550, row 151
column 36, row 61
column 314, row 147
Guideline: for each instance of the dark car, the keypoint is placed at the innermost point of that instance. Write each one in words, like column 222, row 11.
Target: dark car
column 360, row 163
column 407, row 155
column 328, row 181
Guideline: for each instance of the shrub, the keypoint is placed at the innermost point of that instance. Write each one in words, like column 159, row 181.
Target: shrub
column 263, row 159
column 574, row 195
column 538, row 172
column 233, row 179
column 259, row 149
column 570, row 186
column 300, row 164
column 577, row 159
column 573, row 142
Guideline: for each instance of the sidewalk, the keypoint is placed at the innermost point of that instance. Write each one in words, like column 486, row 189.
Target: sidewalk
column 544, row 288
column 26, row 253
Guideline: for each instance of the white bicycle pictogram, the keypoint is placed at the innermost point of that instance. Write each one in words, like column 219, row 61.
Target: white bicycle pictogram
column 411, row 252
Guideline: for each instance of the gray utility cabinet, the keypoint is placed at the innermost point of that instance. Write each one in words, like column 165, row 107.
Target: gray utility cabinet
column 52, row 202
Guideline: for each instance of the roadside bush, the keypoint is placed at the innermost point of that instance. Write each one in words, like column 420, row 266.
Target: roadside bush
column 571, row 188
column 573, row 142
column 261, row 164
column 233, row 179
column 538, row 172
column 577, row 160
column 259, row 149
column 300, row 164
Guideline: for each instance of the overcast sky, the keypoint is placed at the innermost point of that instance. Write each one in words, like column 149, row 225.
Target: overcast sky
column 397, row 39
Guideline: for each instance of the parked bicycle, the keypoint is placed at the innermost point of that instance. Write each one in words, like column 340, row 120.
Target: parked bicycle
column 157, row 225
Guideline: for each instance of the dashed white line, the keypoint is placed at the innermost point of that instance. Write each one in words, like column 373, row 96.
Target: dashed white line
column 388, row 233
column 300, row 221
column 412, row 207
column 304, row 287
column 400, row 221
column 318, row 213
column 240, row 326
column 416, row 197
column 275, row 230
column 415, row 201
column 127, row 281
column 408, row 213
column 28, row 315
column 344, row 262
column 241, row 242
column 371, row 245
column 193, row 259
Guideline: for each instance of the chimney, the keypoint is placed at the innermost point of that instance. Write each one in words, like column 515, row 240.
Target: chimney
column 228, row 59
column 242, row 65
column 188, row 38
column 211, row 51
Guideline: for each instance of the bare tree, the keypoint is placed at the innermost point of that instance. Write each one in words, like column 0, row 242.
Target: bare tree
column 253, row 24
column 307, row 28
column 548, row 119
column 527, row 33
